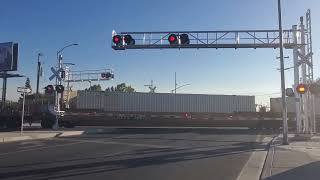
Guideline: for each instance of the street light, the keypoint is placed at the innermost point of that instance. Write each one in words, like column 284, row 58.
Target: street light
column 58, row 82
column 175, row 90
column 58, row 53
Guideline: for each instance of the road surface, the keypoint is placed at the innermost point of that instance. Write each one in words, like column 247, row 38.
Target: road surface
column 135, row 154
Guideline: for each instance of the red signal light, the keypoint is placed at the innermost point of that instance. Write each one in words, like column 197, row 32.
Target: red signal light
column 117, row 39
column 173, row 39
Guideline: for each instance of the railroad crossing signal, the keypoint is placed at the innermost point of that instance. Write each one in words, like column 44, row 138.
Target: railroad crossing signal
column 56, row 74
column 59, row 88
column 302, row 88
column 173, row 39
column 62, row 74
column 184, row 39
column 49, row 89
column 117, row 39
column 129, row 40
column 107, row 75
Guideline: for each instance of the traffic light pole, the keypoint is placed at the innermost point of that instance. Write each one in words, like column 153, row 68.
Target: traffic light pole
column 57, row 99
column 283, row 85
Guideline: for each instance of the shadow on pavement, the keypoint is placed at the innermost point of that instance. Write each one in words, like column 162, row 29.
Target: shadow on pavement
column 189, row 130
column 148, row 157
column 309, row 171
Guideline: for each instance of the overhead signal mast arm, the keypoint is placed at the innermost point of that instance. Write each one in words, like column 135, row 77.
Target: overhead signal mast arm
column 202, row 39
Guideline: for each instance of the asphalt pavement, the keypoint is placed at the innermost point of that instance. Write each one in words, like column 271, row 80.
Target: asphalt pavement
column 135, row 154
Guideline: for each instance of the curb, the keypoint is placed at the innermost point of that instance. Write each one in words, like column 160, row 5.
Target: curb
column 266, row 166
column 70, row 133
column 253, row 169
column 17, row 138
column 41, row 136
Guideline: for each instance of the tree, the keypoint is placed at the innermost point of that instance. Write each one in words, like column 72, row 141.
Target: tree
column 120, row 88
column 129, row 89
column 27, row 84
column 94, row 88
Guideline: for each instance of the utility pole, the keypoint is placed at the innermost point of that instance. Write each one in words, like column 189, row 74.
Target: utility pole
column 38, row 74
column 175, row 82
column 283, row 85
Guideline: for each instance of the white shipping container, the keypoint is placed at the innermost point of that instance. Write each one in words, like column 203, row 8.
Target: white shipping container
column 164, row 102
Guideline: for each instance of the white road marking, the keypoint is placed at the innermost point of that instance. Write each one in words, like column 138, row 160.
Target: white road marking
column 120, row 143
column 31, row 146
column 173, row 127
column 40, row 148
column 28, row 145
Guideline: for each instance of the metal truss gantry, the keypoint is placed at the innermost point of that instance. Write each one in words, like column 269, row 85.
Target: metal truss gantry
column 299, row 39
column 210, row 39
column 87, row 75
column 84, row 76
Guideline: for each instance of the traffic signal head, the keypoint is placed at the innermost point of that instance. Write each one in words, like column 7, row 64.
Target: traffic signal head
column 63, row 74
column 49, row 89
column 129, row 40
column 107, row 75
column 184, row 39
column 59, row 88
column 301, row 88
column 290, row 92
column 117, row 39
column 173, row 39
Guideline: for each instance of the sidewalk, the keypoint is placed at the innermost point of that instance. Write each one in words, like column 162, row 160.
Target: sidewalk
column 297, row 161
column 37, row 134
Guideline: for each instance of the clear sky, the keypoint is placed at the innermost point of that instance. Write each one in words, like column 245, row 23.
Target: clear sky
column 47, row 25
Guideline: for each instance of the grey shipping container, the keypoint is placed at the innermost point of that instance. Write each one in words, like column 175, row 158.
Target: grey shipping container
column 164, row 102
column 276, row 105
